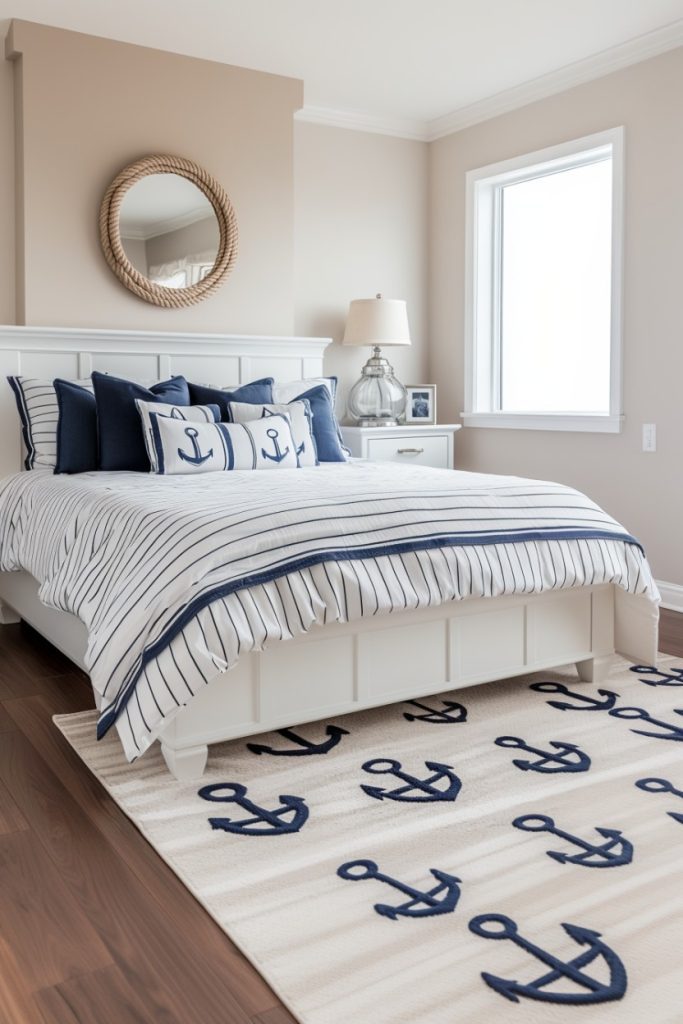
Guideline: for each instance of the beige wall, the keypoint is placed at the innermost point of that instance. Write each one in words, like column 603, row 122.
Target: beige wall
column 90, row 106
column 6, row 195
column 361, row 228
column 644, row 491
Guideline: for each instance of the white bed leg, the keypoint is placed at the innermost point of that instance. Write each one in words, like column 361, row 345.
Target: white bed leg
column 186, row 763
column 8, row 615
column 593, row 670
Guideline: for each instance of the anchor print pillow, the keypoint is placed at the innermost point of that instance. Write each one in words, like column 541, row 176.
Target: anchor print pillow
column 182, row 447
column 301, row 421
column 188, row 413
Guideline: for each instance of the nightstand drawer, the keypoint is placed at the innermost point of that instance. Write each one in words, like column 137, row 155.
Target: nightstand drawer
column 410, row 450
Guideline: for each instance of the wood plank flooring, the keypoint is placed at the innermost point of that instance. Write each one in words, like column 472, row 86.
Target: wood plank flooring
column 94, row 927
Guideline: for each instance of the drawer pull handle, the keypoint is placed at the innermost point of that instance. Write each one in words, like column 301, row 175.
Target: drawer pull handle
column 409, row 451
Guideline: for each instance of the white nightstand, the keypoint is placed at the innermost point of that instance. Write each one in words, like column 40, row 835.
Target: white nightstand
column 408, row 444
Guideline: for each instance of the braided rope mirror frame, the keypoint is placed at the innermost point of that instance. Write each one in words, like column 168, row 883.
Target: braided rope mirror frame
column 110, row 235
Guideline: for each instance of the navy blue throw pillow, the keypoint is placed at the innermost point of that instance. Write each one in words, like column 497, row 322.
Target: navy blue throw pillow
column 76, row 428
column 259, row 392
column 325, row 430
column 121, row 445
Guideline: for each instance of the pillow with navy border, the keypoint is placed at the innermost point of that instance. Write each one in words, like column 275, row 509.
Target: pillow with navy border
column 182, row 447
column 38, row 408
column 121, row 445
column 325, row 427
column 301, row 419
column 76, row 428
column 259, row 392
column 293, row 389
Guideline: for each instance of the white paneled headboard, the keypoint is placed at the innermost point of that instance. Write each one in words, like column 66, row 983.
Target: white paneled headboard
column 145, row 356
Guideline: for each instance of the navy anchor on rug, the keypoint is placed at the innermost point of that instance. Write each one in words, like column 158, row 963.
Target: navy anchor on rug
column 440, row 899
column 611, row 854
column 565, row 757
column 662, row 786
column 669, row 730
column 590, row 989
column 303, row 746
column 451, row 713
column 585, row 703
column 413, row 790
column 290, row 816
column 657, row 678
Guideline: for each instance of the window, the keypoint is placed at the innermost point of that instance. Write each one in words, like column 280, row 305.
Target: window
column 543, row 324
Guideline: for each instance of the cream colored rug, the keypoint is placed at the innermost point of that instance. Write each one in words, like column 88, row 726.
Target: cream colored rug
column 510, row 851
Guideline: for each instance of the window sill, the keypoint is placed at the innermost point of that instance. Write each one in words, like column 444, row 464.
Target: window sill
column 587, row 423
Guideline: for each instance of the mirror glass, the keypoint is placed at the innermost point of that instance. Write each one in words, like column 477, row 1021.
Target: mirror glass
column 169, row 230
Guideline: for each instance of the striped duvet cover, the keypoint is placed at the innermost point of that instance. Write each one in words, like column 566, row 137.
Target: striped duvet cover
column 176, row 577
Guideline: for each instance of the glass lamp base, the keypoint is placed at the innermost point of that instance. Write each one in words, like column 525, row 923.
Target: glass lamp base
column 377, row 421
column 377, row 399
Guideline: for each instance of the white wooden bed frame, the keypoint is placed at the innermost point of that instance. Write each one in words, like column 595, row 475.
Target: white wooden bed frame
column 337, row 668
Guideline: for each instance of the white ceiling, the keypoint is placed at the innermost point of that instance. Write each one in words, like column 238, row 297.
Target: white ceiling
column 393, row 63
column 161, row 203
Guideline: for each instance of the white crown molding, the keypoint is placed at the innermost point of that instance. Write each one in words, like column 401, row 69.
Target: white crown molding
column 672, row 595
column 596, row 66
column 400, row 127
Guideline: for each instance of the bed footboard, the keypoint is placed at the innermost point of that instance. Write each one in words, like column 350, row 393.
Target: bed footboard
column 345, row 668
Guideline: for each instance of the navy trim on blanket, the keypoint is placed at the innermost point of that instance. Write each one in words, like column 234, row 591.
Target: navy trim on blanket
column 114, row 710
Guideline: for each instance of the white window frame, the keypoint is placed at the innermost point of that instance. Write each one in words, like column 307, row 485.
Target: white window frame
column 483, row 274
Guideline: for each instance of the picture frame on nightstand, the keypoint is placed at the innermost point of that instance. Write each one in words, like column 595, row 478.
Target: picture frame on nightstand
column 421, row 404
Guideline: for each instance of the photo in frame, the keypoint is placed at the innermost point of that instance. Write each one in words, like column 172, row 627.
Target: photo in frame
column 421, row 403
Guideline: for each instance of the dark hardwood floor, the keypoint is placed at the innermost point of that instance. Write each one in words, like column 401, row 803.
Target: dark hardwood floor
column 94, row 928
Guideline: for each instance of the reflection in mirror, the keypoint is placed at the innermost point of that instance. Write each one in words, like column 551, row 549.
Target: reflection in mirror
column 169, row 230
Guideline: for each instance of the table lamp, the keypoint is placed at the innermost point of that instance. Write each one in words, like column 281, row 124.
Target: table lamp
column 378, row 399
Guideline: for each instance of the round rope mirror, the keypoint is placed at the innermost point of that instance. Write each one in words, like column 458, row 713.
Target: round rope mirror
column 168, row 231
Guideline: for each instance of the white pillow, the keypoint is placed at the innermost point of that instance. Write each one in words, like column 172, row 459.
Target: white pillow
column 180, row 447
column 300, row 416
column 39, row 413
column 291, row 389
column 188, row 413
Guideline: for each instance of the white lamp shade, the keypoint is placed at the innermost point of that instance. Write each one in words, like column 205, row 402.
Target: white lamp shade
column 377, row 322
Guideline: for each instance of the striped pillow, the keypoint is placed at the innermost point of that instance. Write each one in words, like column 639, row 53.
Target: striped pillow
column 39, row 413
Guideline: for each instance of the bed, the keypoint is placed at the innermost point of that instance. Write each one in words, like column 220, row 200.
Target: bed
column 286, row 599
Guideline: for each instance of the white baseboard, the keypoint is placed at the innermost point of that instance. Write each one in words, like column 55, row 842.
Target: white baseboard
column 672, row 595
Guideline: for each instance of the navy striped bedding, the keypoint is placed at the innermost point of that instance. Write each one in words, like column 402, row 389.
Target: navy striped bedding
column 176, row 577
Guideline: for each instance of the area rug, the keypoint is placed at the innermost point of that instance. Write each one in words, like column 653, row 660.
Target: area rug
column 513, row 850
